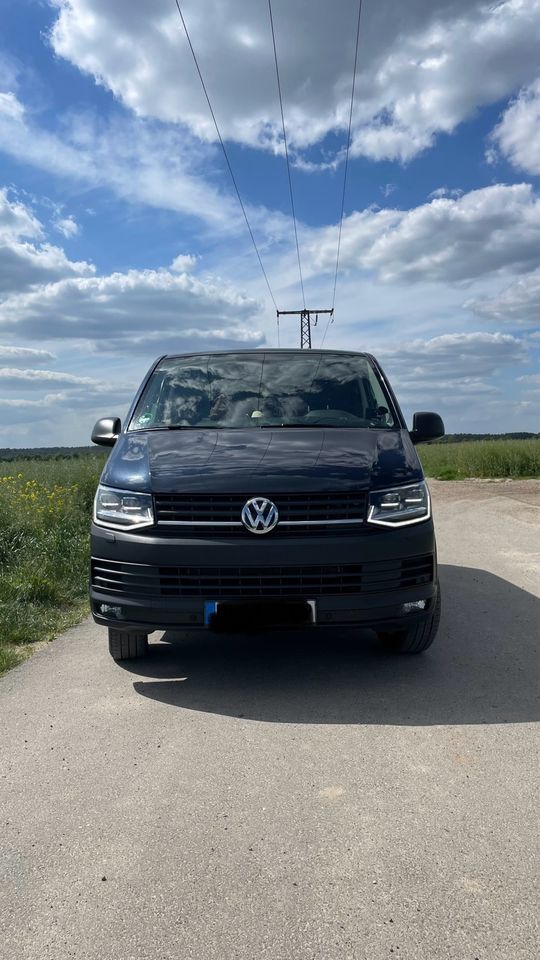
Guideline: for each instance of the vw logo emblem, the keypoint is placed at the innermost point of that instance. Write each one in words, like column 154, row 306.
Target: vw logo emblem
column 260, row 515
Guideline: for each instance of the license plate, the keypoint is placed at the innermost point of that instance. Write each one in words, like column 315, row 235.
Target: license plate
column 212, row 608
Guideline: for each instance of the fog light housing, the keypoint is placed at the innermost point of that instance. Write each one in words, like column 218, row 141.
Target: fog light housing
column 414, row 606
column 107, row 610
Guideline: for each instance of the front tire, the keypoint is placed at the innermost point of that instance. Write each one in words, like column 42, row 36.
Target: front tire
column 417, row 637
column 124, row 645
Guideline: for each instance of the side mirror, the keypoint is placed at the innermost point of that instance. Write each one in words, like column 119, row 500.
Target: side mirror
column 106, row 431
column 426, row 426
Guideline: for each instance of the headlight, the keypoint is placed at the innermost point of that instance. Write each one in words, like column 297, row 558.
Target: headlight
column 122, row 508
column 399, row 506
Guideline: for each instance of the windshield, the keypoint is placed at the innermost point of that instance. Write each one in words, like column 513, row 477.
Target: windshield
column 261, row 389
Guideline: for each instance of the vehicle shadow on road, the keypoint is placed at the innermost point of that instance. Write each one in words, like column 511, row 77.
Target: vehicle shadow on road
column 482, row 668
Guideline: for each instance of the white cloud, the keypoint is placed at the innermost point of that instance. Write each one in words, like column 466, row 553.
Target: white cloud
column 22, row 263
column 517, row 136
column 519, row 304
column 422, row 70
column 140, row 161
column 10, row 106
column 67, row 226
column 445, row 192
column 76, row 406
column 17, row 220
column 436, row 77
column 459, row 374
column 49, row 400
column 491, row 230
column 183, row 263
column 452, row 358
column 24, row 354
column 29, row 377
column 131, row 310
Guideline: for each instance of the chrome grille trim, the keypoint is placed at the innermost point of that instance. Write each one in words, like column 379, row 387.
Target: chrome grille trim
column 238, row 523
column 199, row 523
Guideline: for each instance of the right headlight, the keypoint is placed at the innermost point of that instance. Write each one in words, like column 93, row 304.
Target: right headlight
column 122, row 508
column 399, row 506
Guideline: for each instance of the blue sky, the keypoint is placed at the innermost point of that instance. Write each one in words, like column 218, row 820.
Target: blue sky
column 121, row 238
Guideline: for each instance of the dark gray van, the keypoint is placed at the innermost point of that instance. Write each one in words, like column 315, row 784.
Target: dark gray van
column 264, row 487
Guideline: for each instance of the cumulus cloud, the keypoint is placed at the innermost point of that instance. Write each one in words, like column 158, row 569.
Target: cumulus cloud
column 23, row 263
column 424, row 66
column 519, row 304
column 67, row 226
column 458, row 374
column 77, row 404
column 183, row 262
column 16, row 220
column 453, row 357
column 517, row 136
column 449, row 239
column 131, row 310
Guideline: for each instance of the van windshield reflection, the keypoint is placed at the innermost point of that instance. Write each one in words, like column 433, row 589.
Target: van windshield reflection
column 261, row 390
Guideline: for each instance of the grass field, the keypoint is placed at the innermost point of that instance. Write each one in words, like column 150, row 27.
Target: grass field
column 481, row 458
column 45, row 507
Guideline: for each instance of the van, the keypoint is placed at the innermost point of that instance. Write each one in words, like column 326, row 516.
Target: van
column 264, row 488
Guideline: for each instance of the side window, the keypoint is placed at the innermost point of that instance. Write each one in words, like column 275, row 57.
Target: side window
column 377, row 402
column 148, row 412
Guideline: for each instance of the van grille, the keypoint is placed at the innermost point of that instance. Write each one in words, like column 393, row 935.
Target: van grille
column 220, row 513
column 215, row 583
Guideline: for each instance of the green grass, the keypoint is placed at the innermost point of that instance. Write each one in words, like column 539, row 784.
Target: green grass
column 488, row 459
column 45, row 509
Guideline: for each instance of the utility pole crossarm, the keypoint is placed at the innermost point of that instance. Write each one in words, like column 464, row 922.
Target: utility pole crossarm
column 305, row 322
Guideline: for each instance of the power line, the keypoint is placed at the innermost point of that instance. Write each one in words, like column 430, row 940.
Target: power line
column 286, row 153
column 346, row 166
column 225, row 154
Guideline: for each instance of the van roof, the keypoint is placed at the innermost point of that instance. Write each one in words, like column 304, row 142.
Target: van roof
column 256, row 350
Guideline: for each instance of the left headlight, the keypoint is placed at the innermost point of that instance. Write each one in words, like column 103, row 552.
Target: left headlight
column 399, row 506
column 122, row 508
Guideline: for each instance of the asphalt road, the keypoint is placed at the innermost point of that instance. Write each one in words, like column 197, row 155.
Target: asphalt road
column 288, row 798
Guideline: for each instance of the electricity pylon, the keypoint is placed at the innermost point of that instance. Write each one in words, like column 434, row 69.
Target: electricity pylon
column 305, row 323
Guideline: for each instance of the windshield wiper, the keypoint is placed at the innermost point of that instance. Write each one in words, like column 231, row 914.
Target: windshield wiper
column 281, row 426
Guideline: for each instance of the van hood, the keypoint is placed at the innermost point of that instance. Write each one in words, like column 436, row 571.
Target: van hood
column 263, row 462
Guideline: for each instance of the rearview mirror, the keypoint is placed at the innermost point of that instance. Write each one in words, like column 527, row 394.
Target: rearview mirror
column 107, row 431
column 426, row 426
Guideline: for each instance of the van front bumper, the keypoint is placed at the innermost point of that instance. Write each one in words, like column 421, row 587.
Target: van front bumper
column 145, row 582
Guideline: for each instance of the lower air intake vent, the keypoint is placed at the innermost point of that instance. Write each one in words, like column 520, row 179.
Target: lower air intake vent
column 118, row 579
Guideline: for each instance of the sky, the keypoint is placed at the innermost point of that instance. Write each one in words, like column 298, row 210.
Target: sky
column 121, row 237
